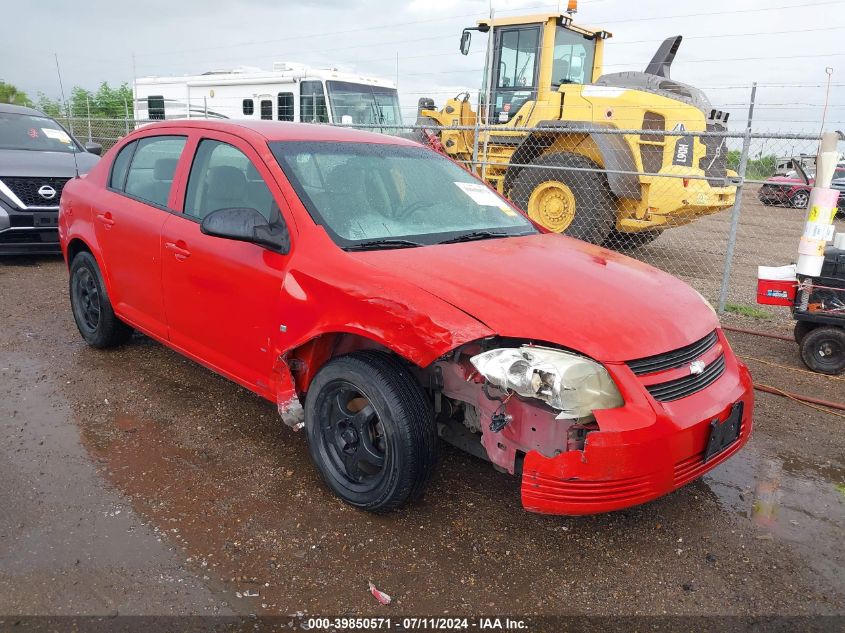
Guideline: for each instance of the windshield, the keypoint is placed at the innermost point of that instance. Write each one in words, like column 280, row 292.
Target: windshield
column 36, row 133
column 365, row 192
column 573, row 58
column 366, row 105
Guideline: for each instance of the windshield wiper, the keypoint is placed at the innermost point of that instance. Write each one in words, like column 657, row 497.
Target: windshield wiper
column 370, row 245
column 479, row 235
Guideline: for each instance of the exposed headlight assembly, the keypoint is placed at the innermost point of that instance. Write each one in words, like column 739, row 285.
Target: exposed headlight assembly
column 575, row 385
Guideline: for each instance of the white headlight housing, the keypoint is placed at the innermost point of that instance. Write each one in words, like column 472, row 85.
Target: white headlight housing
column 575, row 385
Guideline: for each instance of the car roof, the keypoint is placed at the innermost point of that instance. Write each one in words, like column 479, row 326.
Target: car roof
column 16, row 109
column 284, row 130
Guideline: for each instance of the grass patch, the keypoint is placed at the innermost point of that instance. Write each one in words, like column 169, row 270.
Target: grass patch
column 749, row 311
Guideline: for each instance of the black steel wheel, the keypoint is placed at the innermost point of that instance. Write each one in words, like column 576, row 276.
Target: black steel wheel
column 91, row 307
column 823, row 350
column 370, row 430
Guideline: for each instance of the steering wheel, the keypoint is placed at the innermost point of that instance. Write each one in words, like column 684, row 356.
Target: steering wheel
column 417, row 205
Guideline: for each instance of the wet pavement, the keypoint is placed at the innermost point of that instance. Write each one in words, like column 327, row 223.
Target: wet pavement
column 135, row 481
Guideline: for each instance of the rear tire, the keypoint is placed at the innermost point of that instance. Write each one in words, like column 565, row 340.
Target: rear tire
column 619, row 241
column 823, row 350
column 92, row 310
column 594, row 214
column 370, row 430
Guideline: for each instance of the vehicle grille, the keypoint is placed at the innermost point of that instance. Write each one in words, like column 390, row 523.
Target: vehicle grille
column 715, row 159
column 688, row 385
column 676, row 358
column 26, row 189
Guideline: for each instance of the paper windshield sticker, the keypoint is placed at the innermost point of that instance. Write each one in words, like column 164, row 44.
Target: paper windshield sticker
column 481, row 195
column 59, row 135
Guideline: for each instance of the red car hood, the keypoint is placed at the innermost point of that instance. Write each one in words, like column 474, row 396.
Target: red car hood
column 559, row 290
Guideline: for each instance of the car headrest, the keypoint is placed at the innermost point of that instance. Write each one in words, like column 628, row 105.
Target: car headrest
column 226, row 182
column 252, row 173
column 164, row 168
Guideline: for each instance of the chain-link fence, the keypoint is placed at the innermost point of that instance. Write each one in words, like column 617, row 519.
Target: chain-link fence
column 706, row 206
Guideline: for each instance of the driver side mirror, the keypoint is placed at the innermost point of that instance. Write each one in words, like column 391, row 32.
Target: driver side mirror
column 94, row 148
column 466, row 38
column 247, row 225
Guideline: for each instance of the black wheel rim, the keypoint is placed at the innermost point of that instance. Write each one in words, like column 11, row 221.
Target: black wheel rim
column 86, row 300
column 352, row 437
column 829, row 353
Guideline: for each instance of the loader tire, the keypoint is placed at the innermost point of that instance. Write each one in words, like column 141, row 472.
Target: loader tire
column 575, row 201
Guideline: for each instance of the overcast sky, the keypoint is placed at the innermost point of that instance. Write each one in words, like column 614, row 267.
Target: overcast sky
column 784, row 45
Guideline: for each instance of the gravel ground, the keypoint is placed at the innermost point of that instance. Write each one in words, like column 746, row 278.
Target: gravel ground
column 136, row 481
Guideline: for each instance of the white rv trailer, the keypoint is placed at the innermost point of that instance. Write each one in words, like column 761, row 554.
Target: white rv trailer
column 289, row 92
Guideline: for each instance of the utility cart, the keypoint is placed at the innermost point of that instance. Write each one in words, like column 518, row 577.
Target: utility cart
column 818, row 307
column 819, row 312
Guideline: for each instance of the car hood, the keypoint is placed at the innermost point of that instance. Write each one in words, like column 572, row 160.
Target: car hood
column 554, row 289
column 21, row 162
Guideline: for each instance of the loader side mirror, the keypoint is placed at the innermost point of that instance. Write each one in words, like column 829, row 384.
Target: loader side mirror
column 466, row 38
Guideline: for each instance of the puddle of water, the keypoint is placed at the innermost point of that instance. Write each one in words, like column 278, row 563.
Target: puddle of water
column 790, row 499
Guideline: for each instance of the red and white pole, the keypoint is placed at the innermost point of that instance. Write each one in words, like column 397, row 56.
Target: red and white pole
column 821, row 209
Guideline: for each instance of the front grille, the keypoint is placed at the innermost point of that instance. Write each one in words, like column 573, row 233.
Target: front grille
column 676, row 358
column 26, row 189
column 688, row 385
column 715, row 159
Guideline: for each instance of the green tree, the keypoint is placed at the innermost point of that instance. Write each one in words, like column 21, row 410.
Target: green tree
column 10, row 94
column 50, row 107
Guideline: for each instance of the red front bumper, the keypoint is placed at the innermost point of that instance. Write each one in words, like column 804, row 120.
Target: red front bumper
column 642, row 451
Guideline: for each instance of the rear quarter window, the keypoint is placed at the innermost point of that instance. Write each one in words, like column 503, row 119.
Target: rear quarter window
column 120, row 167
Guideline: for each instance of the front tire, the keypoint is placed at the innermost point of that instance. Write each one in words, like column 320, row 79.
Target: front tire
column 575, row 201
column 800, row 199
column 92, row 310
column 370, row 430
column 823, row 350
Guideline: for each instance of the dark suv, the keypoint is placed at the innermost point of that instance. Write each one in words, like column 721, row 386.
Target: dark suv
column 37, row 158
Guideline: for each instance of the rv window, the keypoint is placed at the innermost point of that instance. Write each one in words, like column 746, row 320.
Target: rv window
column 267, row 110
column 155, row 108
column 285, row 106
column 312, row 102
column 249, row 107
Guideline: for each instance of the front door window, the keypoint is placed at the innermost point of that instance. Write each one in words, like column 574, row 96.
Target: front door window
column 515, row 70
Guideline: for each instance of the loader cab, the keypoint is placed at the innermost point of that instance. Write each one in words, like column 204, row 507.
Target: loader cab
column 536, row 55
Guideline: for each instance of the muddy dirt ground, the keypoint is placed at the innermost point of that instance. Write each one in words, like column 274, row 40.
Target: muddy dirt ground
column 135, row 481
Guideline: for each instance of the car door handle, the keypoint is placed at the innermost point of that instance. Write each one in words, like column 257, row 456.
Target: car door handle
column 106, row 219
column 179, row 251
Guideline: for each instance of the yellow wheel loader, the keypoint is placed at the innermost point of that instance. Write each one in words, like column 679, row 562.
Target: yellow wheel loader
column 545, row 73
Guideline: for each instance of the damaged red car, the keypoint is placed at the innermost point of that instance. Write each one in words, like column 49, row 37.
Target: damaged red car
column 383, row 297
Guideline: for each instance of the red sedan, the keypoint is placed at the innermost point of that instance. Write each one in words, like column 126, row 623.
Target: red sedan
column 382, row 296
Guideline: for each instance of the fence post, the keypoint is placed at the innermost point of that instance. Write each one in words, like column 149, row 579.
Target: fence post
column 126, row 110
column 88, row 110
column 743, row 165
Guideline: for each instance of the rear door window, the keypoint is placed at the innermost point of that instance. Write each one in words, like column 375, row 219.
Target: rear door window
column 223, row 177
column 153, row 165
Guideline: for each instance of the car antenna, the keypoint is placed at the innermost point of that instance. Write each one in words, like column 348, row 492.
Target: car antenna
column 62, row 90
